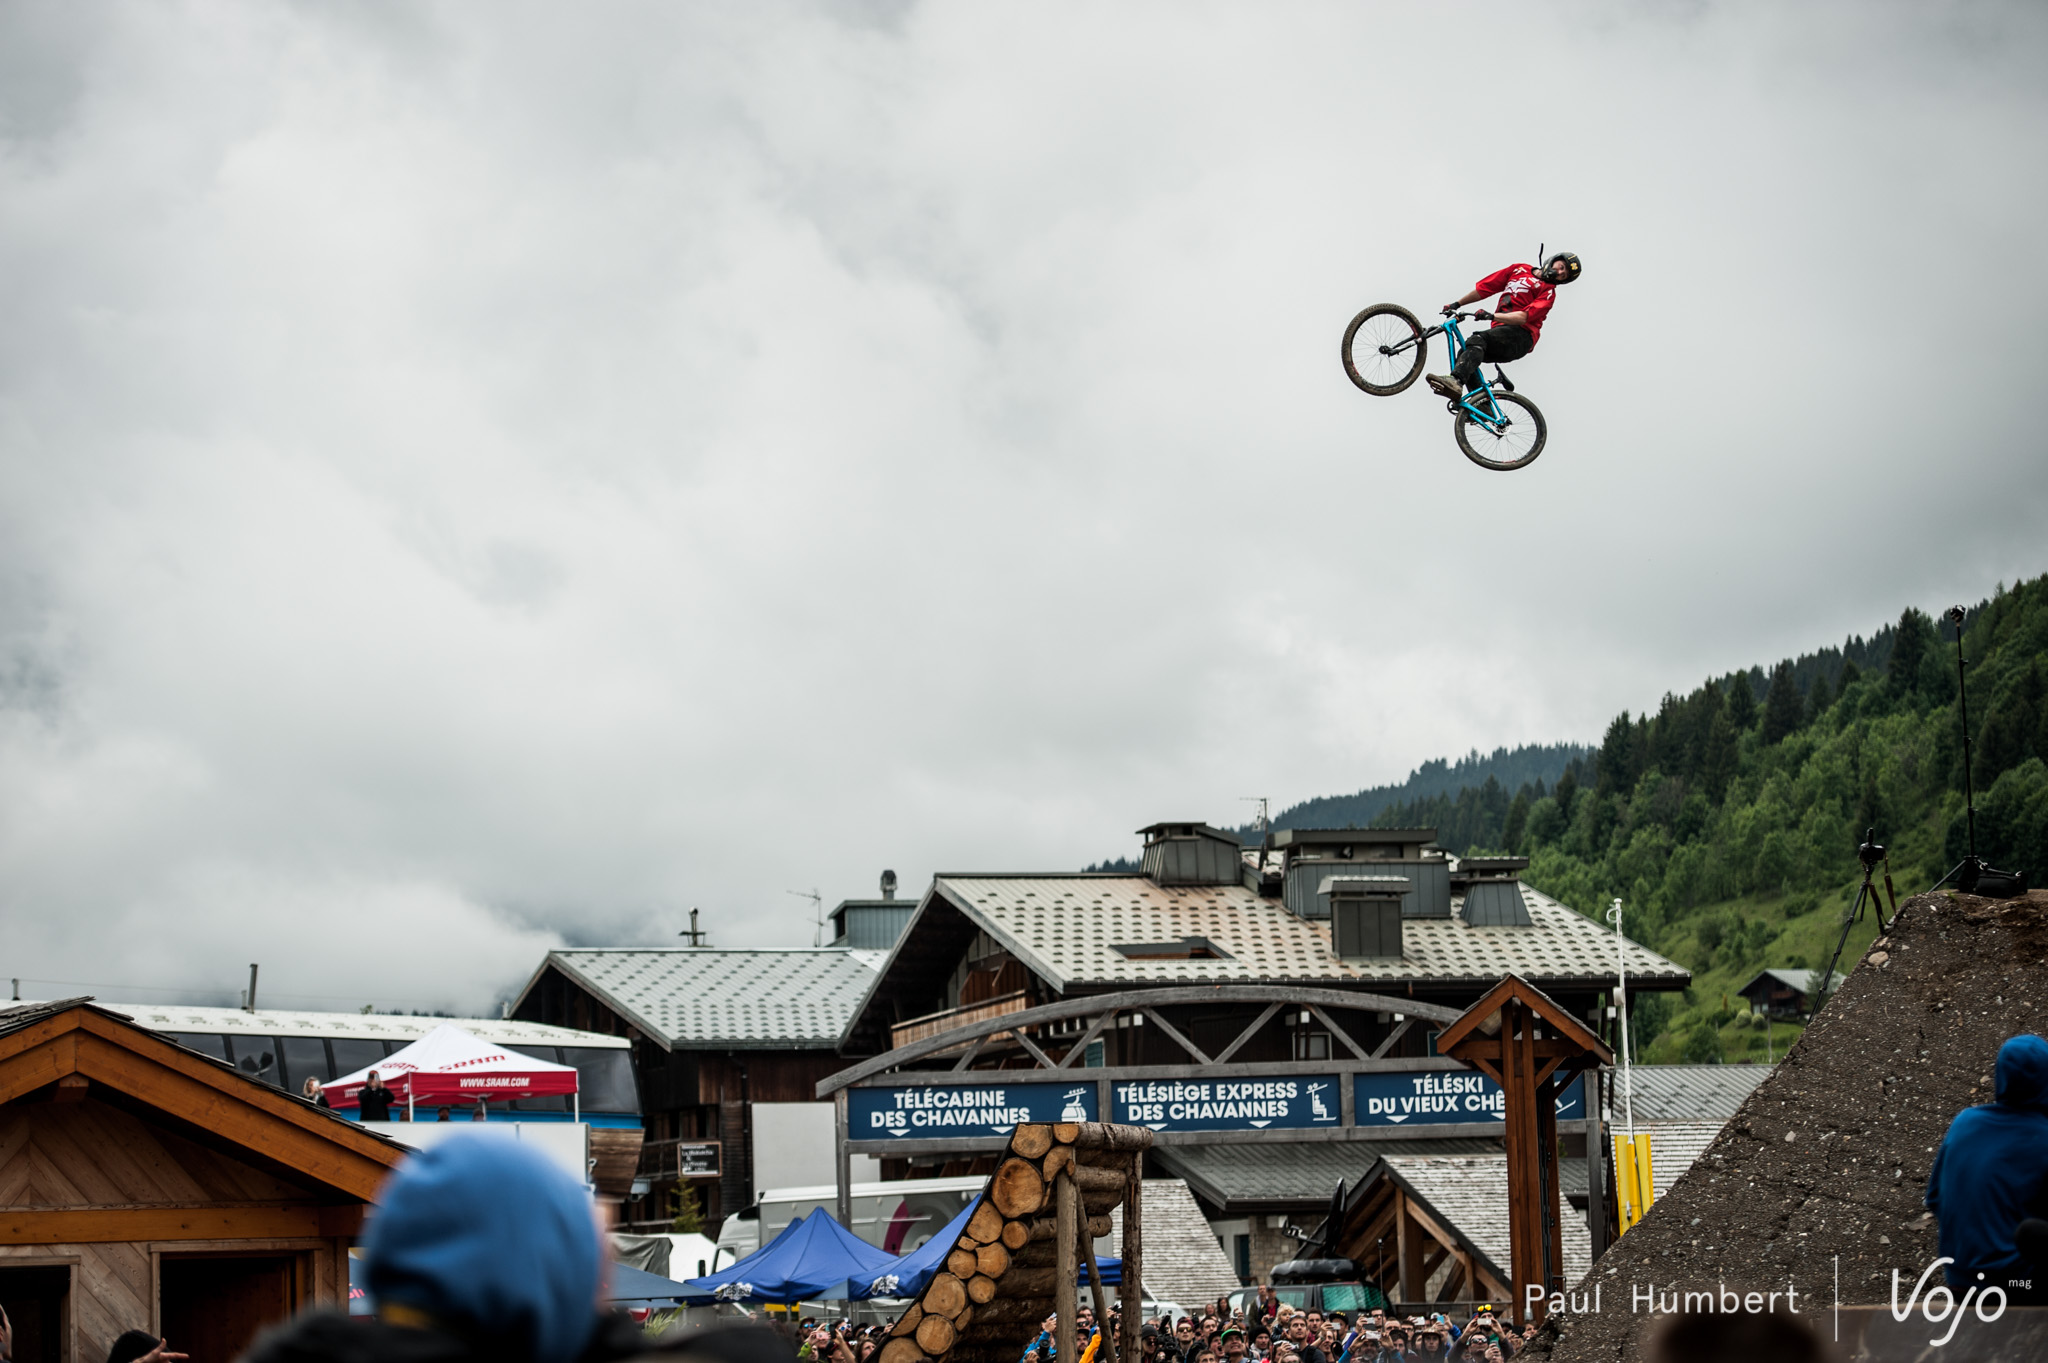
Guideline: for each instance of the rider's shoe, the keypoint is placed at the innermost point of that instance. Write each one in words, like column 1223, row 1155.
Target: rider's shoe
column 1446, row 387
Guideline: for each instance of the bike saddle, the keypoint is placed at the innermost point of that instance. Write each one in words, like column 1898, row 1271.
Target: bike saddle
column 1502, row 379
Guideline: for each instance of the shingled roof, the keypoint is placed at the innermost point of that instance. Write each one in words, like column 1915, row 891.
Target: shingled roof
column 720, row 997
column 1468, row 1194
column 1067, row 928
column 1183, row 1260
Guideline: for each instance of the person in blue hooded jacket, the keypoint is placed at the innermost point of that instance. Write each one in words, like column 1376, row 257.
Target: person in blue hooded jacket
column 1991, row 1173
column 481, row 1250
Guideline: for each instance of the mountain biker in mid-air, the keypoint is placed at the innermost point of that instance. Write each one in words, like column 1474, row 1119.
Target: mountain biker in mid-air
column 1526, row 293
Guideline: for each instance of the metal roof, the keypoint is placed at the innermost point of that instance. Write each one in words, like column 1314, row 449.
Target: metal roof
column 1064, row 929
column 1295, row 1175
column 178, row 1017
column 1796, row 979
column 725, row 997
column 1685, row 1093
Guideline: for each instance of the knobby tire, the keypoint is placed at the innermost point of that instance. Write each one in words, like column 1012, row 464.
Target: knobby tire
column 1518, row 451
column 1384, row 324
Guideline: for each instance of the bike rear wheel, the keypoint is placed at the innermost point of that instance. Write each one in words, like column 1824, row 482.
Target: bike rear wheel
column 1514, row 446
column 1384, row 349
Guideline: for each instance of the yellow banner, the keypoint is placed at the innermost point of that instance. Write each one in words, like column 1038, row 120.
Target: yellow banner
column 1633, row 1189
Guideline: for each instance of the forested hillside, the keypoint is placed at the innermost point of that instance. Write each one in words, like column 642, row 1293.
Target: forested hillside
column 1530, row 764
column 1727, row 821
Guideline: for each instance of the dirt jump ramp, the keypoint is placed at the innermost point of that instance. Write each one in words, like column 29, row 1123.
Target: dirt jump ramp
column 1825, row 1166
column 1002, row 1278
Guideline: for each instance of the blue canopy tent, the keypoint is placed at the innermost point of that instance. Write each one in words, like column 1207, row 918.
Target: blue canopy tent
column 631, row 1286
column 909, row 1275
column 808, row 1261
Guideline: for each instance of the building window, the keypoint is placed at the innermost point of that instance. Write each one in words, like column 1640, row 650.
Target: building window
column 1091, row 1055
column 1311, row 1045
column 1244, row 1260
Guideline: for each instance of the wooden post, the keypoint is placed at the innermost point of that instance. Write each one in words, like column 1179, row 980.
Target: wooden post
column 1130, row 1289
column 1407, row 1252
column 842, row 1160
column 1101, row 1300
column 1524, row 1188
column 1598, row 1214
column 1065, row 1288
column 1552, row 1257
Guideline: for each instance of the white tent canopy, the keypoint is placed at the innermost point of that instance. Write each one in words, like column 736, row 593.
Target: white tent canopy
column 451, row 1065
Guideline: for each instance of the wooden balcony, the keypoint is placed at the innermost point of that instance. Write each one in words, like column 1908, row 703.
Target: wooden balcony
column 931, row 1024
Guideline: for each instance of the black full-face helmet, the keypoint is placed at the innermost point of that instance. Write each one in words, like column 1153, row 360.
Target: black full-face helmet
column 1571, row 266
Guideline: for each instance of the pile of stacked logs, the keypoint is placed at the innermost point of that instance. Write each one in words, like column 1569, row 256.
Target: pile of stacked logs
column 1027, row 1246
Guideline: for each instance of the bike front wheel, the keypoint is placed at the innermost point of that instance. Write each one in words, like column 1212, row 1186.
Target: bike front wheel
column 1384, row 349
column 1514, row 444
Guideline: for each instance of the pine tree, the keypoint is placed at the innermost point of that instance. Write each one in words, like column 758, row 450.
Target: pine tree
column 1782, row 709
column 1518, row 820
column 1615, row 764
column 2013, row 730
column 1742, row 703
column 1819, row 699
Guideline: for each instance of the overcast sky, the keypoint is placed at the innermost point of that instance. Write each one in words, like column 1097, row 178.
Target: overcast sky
column 478, row 476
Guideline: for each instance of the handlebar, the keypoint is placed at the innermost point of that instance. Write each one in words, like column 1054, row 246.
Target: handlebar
column 1476, row 315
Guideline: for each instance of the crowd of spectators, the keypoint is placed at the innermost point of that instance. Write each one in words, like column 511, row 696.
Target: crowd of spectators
column 1270, row 1331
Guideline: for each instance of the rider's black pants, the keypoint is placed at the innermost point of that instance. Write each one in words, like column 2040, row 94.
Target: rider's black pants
column 1496, row 345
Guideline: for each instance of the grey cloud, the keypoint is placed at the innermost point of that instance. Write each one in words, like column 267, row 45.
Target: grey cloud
column 509, row 475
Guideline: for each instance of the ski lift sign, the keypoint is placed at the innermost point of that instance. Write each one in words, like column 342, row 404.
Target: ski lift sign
column 963, row 1110
column 1230, row 1104
column 1446, row 1098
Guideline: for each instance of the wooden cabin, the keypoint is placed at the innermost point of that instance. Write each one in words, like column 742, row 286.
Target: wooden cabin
column 146, row 1187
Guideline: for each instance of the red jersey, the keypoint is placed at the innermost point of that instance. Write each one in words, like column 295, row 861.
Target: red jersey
column 1522, row 289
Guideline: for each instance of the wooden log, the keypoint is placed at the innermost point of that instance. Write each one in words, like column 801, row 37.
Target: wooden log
column 1109, row 1136
column 1010, row 1310
column 1016, row 1234
column 1131, row 1285
column 908, row 1320
column 1017, row 1189
column 935, row 1334
column 965, row 1319
column 992, row 1261
column 1066, row 1132
column 1098, row 1203
column 1031, row 1139
column 981, row 1289
column 944, row 1297
column 986, row 1225
column 1061, row 1157
column 1095, row 1180
column 1047, row 1227
column 960, row 1264
column 1067, row 1212
column 901, row 1351
column 1087, row 1251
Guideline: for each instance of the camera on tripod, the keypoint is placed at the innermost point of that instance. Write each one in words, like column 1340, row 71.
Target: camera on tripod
column 1870, row 851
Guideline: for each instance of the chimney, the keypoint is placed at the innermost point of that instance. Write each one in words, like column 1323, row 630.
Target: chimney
column 888, row 884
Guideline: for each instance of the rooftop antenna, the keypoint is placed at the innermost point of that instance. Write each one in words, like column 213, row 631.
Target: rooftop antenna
column 249, row 999
column 694, row 934
column 817, row 911
column 1262, row 824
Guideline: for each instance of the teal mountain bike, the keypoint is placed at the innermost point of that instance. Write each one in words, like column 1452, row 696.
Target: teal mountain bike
column 1385, row 349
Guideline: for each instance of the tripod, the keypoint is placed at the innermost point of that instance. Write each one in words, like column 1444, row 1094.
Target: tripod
column 1870, row 854
column 1970, row 874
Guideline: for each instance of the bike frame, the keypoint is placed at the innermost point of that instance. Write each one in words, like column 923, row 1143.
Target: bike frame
column 1478, row 403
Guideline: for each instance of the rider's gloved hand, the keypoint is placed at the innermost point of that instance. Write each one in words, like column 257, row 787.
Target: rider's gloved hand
column 1450, row 308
